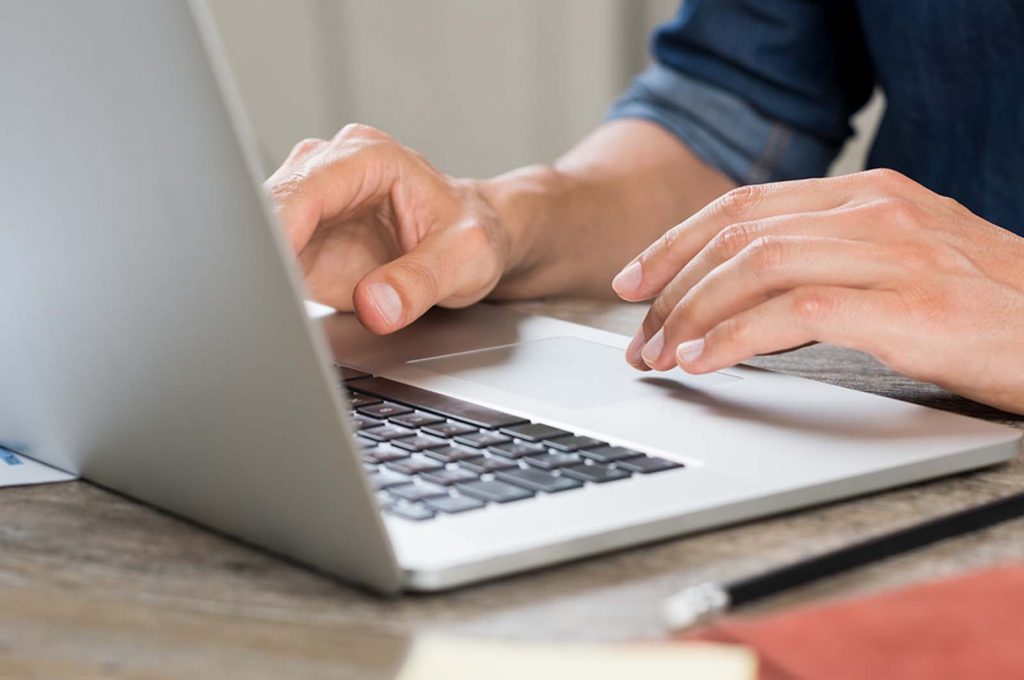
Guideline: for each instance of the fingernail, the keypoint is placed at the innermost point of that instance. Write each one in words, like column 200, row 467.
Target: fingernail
column 652, row 350
column 628, row 280
column 690, row 351
column 388, row 303
column 635, row 345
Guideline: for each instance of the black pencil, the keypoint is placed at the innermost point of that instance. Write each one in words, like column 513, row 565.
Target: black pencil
column 703, row 602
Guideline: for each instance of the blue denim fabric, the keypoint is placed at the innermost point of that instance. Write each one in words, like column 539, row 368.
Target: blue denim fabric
column 763, row 90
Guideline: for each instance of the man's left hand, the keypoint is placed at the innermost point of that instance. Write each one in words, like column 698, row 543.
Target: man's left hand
column 872, row 261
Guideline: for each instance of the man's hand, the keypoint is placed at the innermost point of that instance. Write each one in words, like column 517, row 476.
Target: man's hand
column 872, row 261
column 379, row 231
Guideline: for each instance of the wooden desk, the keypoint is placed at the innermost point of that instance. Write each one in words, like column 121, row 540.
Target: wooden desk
column 93, row 585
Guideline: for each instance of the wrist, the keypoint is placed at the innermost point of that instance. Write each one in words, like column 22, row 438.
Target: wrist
column 525, row 202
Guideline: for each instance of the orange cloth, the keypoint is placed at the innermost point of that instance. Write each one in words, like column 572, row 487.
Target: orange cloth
column 967, row 627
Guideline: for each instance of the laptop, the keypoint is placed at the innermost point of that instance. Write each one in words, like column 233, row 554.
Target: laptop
column 155, row 342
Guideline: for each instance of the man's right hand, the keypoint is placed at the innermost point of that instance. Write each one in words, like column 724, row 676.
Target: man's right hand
column 379, row 231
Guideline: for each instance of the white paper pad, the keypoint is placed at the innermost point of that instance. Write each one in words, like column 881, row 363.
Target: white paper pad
column 441, row 658
column 16, row 470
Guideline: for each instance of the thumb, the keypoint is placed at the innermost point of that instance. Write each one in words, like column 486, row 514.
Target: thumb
column 395, row 294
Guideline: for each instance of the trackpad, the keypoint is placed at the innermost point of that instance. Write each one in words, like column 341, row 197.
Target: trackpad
column 569, row 372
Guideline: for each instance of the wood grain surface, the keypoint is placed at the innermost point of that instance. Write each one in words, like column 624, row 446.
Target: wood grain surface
column 96, row 586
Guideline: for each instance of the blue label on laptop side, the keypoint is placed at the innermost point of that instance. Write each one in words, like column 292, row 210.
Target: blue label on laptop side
column 9, row 457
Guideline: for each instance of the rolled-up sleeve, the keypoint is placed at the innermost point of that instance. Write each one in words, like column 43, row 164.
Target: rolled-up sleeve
column 762, row 91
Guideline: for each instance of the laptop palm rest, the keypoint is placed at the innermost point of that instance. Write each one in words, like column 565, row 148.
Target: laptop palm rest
column 568, row 372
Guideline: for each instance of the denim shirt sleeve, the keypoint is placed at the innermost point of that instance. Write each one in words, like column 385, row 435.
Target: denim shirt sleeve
column 762, row 91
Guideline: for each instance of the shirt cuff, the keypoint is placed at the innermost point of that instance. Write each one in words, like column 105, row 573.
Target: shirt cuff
column 723, row 129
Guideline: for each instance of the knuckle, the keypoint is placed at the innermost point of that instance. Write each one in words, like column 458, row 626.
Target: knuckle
column 887, row 178
column 734, row 332
column 899, row 211
column 731, row 241
column 741, row 200
column 665, row 243
column 423, row 277
column 954, row 204
column 766, row 253
column 289, row 186
column 358, row 138
column 307, row 146
column 812, row 304
column 355, row 131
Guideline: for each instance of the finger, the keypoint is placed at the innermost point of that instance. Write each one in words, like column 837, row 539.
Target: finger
column 648, row 273
column 658, row 264
column 860, row 319
column 858, row 223
column 634, row 349
column 768, row 267
column 851, row 222
column 395, row 294
column 357, row 169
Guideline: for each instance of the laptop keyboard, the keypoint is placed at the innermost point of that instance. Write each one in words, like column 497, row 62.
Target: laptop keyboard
column 429, row 454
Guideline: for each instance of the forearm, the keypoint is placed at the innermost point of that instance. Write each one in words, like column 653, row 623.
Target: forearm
column 574, row 224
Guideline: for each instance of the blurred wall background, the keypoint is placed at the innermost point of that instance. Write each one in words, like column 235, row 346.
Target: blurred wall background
column 477, row 86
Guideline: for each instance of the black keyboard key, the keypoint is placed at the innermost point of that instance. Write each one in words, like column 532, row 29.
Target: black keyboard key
column 384, row 455
column 483, row 465
column 386, row 433
column 449, row 476
column 517, row 449
column 383, row 410
column 413, row 512
column 495, row 491
column 610, row 454
column 647, row 465
column 449, row 429
column 453, row 453
column 417, row 492
column 415, row 464
column 574, row 443
column 385, row 478
column 482, row 439
column 437, row 403
column 357, row 400
column 597, row 473
column 553, row 461
column 363, row 423
column 420, row 442
column 538, row 480
column 416, row 420
column 534, row 432
column 453, row 504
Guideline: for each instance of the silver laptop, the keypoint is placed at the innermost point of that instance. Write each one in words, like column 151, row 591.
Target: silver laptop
column 154, row 341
